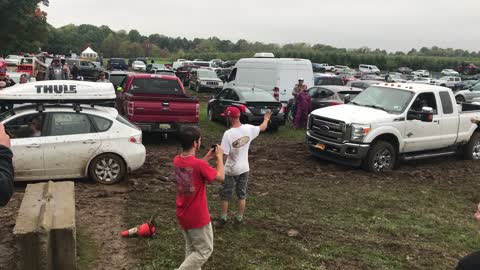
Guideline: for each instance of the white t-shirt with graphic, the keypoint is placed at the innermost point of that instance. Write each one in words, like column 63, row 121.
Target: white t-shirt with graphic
column 235, row 143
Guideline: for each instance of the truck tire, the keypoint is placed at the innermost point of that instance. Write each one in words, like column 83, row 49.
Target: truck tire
column 472, row 149
column 107, row 169
column 380, row 158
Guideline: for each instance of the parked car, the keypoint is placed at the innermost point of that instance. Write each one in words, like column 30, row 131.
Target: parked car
column 139, row 66
column 88, row 70
column 396, row 78
column 67, row 142
column 421, row 73
column 327, row 95
column 422, row 80
column 468, row 95
column 470, row 83
column 117, row 77
column 387, row 123
column 368, row 69
column 450, row 72
column 253, row 104
column 327, row 79
column 448, row 81
column 467, row 68
column 179, row 63
column 372, row 77
column 117, row 64
column 405, row 70
column 341, row 69
column 156, row 103
column 151, row 68
column 230, row 63
column 363, row 84
column 13, row 60
column 278, row 76
column 205, row 64
column 201, row 79
column 347, row 76
column 322, row 67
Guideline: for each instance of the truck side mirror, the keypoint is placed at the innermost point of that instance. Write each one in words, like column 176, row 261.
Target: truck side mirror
column 120, row 89
column 426, row 115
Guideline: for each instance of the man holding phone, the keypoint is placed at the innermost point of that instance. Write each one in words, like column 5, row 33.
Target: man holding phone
column 236, row 143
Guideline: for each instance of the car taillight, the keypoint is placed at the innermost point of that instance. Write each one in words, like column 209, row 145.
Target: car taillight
column 136, row 139
column 130, row 108
column 276, row 93
column 283, row 108
column 335, row 103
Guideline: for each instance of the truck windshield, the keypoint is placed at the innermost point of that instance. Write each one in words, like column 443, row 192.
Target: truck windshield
column 387, row 99
column 155, row 86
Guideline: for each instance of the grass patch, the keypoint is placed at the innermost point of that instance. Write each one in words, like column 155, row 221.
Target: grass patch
column 86, row 250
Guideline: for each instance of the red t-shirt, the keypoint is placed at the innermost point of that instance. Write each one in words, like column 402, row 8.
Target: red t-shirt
column 191, row 175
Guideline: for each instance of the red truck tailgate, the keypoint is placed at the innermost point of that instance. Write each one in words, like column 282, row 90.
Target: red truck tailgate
column 165, row 109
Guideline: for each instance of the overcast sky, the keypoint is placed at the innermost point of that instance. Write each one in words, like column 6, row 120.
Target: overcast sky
column 386, row 24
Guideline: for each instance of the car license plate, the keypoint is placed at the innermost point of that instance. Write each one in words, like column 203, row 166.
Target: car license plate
column 320, row 146
column 164, row 126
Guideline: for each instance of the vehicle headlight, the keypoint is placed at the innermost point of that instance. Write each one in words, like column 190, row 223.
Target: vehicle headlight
column 359, row 132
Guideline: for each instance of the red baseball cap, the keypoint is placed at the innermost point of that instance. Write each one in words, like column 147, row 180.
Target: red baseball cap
column 231, row 111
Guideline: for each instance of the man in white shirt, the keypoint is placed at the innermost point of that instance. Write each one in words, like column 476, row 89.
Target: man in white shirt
column 236, row 143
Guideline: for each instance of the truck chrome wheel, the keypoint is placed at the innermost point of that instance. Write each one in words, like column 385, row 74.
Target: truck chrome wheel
column 476, row 150
column 382, row 160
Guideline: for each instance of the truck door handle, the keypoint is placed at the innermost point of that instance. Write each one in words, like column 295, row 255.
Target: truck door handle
column 140, row 109
column 166, row 104
column 34, row 145
column 437, row 121
column 89, row 142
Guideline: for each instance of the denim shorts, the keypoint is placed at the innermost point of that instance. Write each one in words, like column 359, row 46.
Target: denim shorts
column 237, row 183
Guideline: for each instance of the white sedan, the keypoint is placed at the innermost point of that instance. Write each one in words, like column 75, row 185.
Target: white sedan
column 450, row 72
column 139, row 66
column 60, row 143
column 421, row 73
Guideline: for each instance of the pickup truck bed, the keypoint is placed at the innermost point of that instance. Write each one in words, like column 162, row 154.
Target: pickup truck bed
column 163, row 109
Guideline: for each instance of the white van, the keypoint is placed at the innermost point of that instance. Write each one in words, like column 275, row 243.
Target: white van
column 275, row 75
column 368, row 69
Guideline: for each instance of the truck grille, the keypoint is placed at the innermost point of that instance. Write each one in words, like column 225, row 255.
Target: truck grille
column 212, row 83
column 328, row 128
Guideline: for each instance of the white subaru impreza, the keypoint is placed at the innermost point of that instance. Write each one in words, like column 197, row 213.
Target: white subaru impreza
column 58, row 142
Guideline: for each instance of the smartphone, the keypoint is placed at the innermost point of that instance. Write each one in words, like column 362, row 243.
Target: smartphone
column 214, row 147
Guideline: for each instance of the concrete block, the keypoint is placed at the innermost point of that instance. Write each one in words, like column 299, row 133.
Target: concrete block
column 45, row 229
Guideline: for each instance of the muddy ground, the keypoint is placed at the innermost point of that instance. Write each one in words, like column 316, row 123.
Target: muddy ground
column 101, row 209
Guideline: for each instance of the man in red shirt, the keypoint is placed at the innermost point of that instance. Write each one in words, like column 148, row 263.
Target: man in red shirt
column 192, row 174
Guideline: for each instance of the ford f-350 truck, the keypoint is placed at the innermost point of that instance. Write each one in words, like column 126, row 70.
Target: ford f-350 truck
column 388, row 122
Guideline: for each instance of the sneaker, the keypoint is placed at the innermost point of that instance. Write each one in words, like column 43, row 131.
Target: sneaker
column 239, row 220
column 220, row 221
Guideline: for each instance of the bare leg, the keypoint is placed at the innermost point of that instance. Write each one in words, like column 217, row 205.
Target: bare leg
column 241, row 207
column 224, row 211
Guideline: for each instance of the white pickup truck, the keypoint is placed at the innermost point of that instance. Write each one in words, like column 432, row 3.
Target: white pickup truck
column 388, row 122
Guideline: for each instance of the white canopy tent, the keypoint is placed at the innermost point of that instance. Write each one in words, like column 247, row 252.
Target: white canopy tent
column 89, row 53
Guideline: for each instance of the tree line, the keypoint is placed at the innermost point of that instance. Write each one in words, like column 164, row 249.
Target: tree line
column 25, row 29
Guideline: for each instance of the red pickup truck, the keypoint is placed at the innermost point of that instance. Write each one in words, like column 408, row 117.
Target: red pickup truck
column 156, row 103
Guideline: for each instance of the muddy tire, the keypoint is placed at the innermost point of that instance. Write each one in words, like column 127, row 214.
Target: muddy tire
column 381, row 157
column 472, row 149
column 107, row 169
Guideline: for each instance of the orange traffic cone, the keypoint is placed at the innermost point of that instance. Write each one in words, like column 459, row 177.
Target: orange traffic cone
column 144, row 230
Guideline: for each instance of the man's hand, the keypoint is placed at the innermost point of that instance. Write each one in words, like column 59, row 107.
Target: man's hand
column 209, row 155
column 219, row 153
column 4, row 138
column 267, row 115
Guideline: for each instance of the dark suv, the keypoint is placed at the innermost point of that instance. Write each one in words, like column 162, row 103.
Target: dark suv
column 117, row 64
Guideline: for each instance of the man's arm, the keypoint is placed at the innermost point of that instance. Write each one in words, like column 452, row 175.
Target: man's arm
column 220, row 167
column 6, row 168
column 266, row 119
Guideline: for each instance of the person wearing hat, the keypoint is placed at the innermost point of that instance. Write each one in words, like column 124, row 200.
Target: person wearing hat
column 236, row 143
column 300, row 87
column 303, row 103
column 56, row 71
column 3, row 74
column 23, row 79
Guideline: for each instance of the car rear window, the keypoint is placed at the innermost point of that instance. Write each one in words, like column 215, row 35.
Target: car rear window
column 328, row 81
column 256, row 96
column 117, row 61
column 155, row 86
column 352, row 94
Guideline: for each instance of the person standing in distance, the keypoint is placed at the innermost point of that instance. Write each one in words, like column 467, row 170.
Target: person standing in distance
column 192, row 174
column 6, row 168
column 236, row 143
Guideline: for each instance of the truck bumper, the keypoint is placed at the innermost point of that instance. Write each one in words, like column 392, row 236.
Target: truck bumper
column 351, row 154
column 162, row 127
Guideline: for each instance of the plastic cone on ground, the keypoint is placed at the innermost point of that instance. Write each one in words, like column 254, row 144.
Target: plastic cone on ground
column 144, row 230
